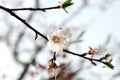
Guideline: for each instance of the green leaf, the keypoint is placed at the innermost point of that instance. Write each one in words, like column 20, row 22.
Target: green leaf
column 110, row 60
column 107, row 55
column 65, row 10
column 110, row 65
column 33, row 62
column 36, row 36
column 66, row 4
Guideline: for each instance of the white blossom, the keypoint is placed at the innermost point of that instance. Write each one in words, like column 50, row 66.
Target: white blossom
column 57, row 40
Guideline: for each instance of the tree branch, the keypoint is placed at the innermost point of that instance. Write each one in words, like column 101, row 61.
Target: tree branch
column 81, row 55
column 23, row 21
column 41, row 9
column 35, row 9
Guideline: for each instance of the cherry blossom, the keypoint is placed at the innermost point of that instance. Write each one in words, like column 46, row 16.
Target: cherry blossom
column 58, row 39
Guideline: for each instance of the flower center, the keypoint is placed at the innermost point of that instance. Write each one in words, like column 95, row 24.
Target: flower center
column 55, row 39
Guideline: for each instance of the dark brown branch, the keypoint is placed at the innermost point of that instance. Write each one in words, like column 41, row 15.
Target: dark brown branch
column 36, row 9
column 80, row 55
column 40, row 9
column 23, row 21
column 24, row 72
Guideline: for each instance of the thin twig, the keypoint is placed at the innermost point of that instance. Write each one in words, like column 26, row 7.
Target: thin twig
column 35, row 9
column 80, row 55
column 40, row 9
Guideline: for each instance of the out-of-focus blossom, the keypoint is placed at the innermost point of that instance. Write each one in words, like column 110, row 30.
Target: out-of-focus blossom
column 57, row 40
column 91, row 51
column 53, row 68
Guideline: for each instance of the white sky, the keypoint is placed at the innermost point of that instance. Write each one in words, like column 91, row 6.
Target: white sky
column 106, row 23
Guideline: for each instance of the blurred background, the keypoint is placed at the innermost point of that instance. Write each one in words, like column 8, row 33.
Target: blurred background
column 94, row 23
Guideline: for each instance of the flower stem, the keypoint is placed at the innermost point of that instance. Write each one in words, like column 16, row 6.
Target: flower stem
column 55, row 77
